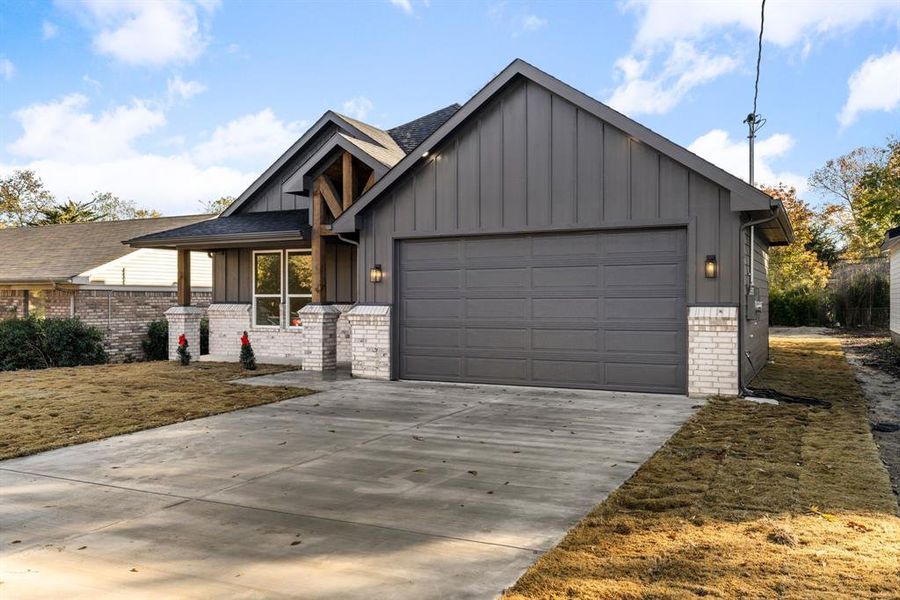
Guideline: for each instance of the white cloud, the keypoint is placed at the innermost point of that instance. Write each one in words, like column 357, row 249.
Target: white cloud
column 178, row 89
column 255, row 137
column 357, row 108
column 7, row 69
column 62, row 129
column 875, row 85
column 532, row 23
column 665, row 25
column 733, row 156
column 171, row 184
column 684, row 69
column 404, row 5
column 148, row 33
column 787, row 23
column 49, row 30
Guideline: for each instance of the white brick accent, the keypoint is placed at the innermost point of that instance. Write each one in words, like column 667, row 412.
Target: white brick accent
column 319, row 351
column 343, row 333
column 370, row 332
column 228, row 321
column 186, row 320
column 712, row 350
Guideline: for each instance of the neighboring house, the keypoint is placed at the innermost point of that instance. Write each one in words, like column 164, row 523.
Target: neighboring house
column 891, row 246
column 83, row 270
column 531, row 236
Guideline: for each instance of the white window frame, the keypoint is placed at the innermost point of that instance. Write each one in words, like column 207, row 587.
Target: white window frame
column 279, row 295
column 287, row 293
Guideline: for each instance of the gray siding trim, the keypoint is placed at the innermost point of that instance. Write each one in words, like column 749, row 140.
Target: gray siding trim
column 630, row 128
column 496, row 175
column 754, row 332
column 330, row 120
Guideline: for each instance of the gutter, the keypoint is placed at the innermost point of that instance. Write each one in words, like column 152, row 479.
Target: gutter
column 742, row 318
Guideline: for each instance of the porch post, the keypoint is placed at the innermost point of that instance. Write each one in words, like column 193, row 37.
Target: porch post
column 319, row 347
column 184, row 277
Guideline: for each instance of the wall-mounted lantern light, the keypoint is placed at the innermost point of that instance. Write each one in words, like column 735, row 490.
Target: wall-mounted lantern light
column 711, row 267
column 376, row 274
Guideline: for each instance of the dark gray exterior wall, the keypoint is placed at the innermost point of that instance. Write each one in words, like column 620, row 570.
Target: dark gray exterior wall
column 233, row 274
column 532, row 161
column 755, row 331
column 270, row 197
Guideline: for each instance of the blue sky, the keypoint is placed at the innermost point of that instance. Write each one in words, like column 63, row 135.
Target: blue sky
column 172, row 103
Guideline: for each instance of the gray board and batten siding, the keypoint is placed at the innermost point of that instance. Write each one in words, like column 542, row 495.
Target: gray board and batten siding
column 530, row 161
column 233, row 273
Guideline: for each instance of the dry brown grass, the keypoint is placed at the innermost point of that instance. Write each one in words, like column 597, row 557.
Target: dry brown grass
column 746, row 500
column 50, row 408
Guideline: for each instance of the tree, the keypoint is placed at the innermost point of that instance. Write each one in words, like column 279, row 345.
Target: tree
column 865, row 184
column 22, row 197
column 796, row 266
column 68, row 212
column 217, row 206
column 114, row 208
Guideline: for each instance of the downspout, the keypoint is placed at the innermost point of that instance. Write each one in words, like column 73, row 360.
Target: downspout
column 747, row 291
column 356, row 244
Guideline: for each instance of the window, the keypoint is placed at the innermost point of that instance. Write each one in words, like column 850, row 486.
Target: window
column 299, row 284
column 36, row 303
column 267, row 296
column 277, row 287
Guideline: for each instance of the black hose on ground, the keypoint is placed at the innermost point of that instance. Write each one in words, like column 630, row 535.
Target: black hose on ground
column 787, row 398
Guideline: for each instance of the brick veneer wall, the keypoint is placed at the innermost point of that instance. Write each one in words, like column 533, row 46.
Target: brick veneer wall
column 343, row 334
column 370, row 330
column 228, row 321
column 122, row 315
column 12, row 304
column 712, row 350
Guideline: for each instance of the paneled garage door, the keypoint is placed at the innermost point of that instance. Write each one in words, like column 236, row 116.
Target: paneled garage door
column 599, row 310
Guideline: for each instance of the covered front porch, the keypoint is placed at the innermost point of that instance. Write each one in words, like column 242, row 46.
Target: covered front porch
column 281, row 276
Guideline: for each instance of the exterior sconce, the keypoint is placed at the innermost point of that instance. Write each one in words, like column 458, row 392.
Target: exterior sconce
column 376, row 274
column 711, row 267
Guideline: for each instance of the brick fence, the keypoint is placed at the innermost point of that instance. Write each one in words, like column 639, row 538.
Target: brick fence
column 121, row 314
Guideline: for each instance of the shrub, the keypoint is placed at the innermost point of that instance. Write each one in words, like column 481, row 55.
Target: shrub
column 797, row 307
column 156, row 346
column 248, row 358
column 20, row 344
column 70, row 343
column 184, row 354
column 204, row 336
column 33, row 343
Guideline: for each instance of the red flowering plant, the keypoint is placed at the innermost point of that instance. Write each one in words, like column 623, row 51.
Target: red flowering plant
column 183, row 355
column 248, row 359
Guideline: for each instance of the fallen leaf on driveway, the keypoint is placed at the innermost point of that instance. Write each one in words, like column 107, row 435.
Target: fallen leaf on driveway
column 133, row 570
column 472, row 472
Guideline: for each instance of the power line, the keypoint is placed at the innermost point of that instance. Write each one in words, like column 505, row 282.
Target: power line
column 754, row 121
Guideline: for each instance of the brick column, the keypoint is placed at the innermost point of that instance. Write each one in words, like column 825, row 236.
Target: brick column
column 186, row 320
column 319, row 347
column 712, row 350
column 370, row 341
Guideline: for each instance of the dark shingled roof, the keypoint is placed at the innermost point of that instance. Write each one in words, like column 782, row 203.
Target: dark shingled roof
column 281, row 223
column 60, row 252
column 409, row 135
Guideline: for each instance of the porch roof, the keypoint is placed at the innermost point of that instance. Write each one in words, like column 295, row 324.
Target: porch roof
column 237, row 230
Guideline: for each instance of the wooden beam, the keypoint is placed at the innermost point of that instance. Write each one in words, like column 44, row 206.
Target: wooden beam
column 183, row 259
column 369, row 182
column 330, row 194
column 349, row 180
column 318, row 273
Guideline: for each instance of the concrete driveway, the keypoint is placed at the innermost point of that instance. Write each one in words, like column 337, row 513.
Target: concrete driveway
column 365, row 490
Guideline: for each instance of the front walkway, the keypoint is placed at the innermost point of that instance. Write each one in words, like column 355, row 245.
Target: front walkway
column 366, row 490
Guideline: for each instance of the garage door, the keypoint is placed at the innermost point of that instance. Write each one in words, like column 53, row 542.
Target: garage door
column 602, row 310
